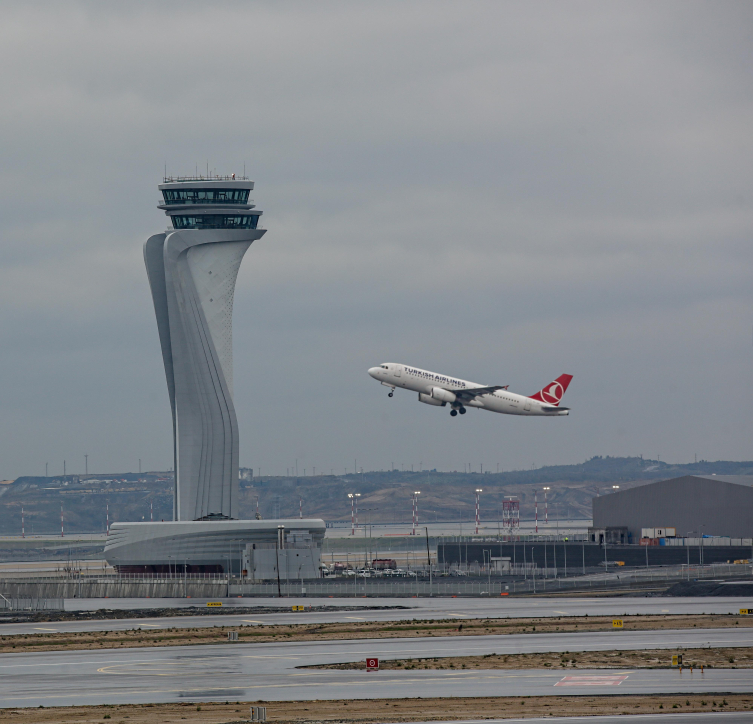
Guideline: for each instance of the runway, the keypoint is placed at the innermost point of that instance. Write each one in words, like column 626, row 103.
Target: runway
column 405, row 609
column 270, row 672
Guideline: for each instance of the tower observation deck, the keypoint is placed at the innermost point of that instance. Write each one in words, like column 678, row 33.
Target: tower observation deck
column 192, row 269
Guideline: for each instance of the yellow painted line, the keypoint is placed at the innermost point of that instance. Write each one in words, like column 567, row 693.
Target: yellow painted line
column 462, row 615
column 356, row 618
column 152, row 625
column 247, row 620
column 565, row 612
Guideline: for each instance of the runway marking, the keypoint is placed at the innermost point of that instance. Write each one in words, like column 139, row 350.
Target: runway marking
column 611, row 680
column 54, row 630
column 248, row 620
column 461, row 615
column 152, row 625
column 356, row 618
column 565, row 612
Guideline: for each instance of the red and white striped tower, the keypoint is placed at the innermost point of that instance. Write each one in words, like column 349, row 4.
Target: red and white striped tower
column 62, row 532
column 478, row 495
column 415, row 511
column 546, row 507
column 23, row 532
column 353, row 511
column 536, row 506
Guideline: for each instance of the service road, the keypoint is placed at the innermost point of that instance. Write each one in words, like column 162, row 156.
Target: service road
column 404, row 609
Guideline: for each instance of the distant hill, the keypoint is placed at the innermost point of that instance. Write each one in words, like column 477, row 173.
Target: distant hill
column 385, row 495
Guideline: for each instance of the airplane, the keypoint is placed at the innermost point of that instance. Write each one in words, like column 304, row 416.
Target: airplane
column 440, row 390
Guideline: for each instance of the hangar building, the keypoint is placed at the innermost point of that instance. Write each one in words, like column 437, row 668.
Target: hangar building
column 716, row 505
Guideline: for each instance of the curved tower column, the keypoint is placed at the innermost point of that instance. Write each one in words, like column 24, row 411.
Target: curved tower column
column 192, row 271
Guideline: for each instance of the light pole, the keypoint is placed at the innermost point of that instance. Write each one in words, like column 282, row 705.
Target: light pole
column 86, row 464
column 416, row 493
column 478, row 495
column 615, row 488
column 536, row 508
column 546, row 506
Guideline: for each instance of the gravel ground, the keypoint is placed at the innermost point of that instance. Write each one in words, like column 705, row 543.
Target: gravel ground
column 377, row 711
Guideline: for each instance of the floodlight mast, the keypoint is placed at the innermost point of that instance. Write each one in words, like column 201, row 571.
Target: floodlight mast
column 478, row 494
column 192, row 269
column 546, row 506
column 416, row 493
column 353, row 511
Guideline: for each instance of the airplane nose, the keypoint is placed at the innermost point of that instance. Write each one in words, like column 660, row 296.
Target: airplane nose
column 374, row 372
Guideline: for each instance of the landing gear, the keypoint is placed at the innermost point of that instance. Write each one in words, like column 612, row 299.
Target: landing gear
column 453, row 413
column 390, row 394
column 462, row 410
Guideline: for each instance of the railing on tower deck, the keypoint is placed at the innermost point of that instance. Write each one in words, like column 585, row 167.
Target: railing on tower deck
column 201, row 177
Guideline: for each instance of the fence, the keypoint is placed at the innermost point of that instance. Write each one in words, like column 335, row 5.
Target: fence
column 31, row 604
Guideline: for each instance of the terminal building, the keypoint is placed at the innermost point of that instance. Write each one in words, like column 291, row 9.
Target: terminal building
column 192, row 269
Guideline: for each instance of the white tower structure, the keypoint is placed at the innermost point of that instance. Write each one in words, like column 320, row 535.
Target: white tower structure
column 192, row 270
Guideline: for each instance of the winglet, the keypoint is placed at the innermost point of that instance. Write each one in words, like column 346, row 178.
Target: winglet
column 552, row 394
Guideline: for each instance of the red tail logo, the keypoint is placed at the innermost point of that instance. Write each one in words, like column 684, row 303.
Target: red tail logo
column 553, row 392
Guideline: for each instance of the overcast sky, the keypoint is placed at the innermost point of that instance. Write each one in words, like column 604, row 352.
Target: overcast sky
column 501, row 191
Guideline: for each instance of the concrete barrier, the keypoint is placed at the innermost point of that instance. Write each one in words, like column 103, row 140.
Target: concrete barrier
column 71, row 588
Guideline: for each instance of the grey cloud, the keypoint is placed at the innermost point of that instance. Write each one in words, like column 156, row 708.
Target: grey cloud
column 503, row 193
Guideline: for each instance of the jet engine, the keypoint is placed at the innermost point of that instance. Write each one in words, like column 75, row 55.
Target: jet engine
column 429, row 400
column 438, row 393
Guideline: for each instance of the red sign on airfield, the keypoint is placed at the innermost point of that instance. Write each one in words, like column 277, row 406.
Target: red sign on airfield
column 372, row 664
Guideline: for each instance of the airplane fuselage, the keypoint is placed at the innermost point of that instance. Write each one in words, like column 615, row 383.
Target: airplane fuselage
column 439, row 390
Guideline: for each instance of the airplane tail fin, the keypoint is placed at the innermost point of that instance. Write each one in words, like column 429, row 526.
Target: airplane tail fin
column 552, row 394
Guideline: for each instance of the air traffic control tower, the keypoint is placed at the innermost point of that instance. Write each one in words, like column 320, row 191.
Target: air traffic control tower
column 192, row 269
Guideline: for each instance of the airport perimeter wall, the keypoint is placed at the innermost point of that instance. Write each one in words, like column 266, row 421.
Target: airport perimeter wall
column 111, row 588
column 589, row 555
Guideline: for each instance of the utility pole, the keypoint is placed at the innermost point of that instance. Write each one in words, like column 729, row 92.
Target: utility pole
column 139, row 466
column 300, row 508
column 63, row 468
column 62, row 532
column 45, row 470
column 23, row 532
column 86, row 464
column 107, row 524
column 536, row 508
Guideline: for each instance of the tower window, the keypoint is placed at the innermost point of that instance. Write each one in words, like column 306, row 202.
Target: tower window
column 205, row 196
column 216, row 221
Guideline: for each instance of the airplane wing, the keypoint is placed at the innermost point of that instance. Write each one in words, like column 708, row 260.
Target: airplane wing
column 474, row 392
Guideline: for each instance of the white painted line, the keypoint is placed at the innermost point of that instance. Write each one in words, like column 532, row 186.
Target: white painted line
column 592, row 680
column 54, row 630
